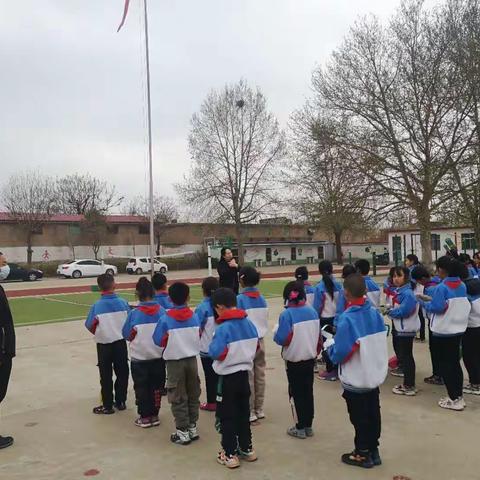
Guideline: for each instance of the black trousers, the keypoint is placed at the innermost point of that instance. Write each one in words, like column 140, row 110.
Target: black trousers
column 364, row 412
column 405, row 352
column 5, row 371
column 233, row 412
column 113, row 357
column 148, row 382
column 471, row 354
column 432, row 341
column 396, row 348
column 327, row 321
column 300, row 389
column 211, row 379
column 421, row 316
column 449, row 364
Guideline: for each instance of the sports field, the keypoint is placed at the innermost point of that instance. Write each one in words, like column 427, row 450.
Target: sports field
column 74, row 306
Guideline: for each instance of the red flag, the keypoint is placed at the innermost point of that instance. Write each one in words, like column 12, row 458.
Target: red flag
column 125, row 12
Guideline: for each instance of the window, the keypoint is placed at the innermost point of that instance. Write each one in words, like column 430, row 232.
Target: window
column 92, row 262
column 268, row 254
column 37, row 229
column 468, row 241
column 293, row 253
column 143, row 260
column 83, row 263
column 320, row 253
column 435, row 241
column 143, row 229
column 112, row 229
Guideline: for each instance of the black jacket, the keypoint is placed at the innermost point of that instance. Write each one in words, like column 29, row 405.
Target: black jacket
column 228, row 276
column 7, row 331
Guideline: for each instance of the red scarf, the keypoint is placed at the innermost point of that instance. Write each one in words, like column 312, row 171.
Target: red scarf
column 180, row 314
column 149, row 309
column 232, row 314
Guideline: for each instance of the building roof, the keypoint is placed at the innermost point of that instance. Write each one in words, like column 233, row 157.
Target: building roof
column 415, row 228
column 60, row 218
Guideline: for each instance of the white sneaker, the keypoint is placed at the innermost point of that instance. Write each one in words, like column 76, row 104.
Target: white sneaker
column 260, row 414
column 471, row 389
column 403, row 390
column 193, row 432
column 253, row 417
column 449, row 404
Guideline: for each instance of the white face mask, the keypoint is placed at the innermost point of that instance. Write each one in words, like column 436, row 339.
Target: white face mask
column 4, row 272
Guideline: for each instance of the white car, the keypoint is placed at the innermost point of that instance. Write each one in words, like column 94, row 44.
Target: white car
column 85, row 268
column 141, row 265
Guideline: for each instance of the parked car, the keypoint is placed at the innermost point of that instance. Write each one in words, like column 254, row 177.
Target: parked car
column 139, row 265
column 18, row 273
column 85, row 268
column 382, row 259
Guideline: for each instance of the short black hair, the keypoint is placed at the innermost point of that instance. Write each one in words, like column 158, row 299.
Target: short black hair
column 301, row 273
column 178, row 293
column 105, row 282
column 456, row 268
column 464, row 258
column 413, row 258
column 159, row 280
column 223, row 250
column 209, row 285
column 355, row 285
column 420, row 272
column 390, row 272
column 291, row 287
column 348, row 270
column 402, row 270
column 224, row 296
column 144, row 289
column 464, row 273
column 249, row 276
column 443, row 262
column 362, row 266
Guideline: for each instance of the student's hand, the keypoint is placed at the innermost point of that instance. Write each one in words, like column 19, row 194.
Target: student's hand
column 421, row 296
column 232, row 263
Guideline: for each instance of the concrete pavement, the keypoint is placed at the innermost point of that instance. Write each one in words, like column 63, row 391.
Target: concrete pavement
column 55, row 385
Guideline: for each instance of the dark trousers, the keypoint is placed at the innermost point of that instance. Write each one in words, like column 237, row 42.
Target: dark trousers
column 432, row 341
column 5, row 371
column 233, row 412
column 113, row 357
column 396, row 348
column 364, row 412
column 300, row 389
column 148, row 383
column 471, row 354
column 405, row 352
column 421, row 316
column 328, row 321
column 211, row 379
column 449, row 364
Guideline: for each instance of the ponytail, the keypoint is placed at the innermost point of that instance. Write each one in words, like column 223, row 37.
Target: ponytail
column 325, row 268
column 294, row 293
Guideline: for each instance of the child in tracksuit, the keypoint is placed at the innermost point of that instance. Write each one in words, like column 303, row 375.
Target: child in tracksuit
column 449, row 310
column 206, row 315
column 105, row 320
column 360, row 350
column 342, row 301
column 373, row 290
column 422, row 276
column 404, row 313
column 253, row 302
column 159, row 281
column 147, row 364
column 471, row 339
column 327, row 293
column 301, row 274
column 389, row 288
column 178, row 333
column 298, row 334
column 233, row 349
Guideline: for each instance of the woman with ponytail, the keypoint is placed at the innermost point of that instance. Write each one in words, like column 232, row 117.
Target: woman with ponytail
column 301, row 275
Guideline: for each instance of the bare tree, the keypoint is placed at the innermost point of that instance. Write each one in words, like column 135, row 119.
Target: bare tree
column 30, row 200
column 235, row 144
column 79, row 194
column 395, row 93
column 165, row 213
column 94, row 228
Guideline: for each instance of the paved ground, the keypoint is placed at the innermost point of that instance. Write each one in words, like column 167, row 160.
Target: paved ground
column 55, row 385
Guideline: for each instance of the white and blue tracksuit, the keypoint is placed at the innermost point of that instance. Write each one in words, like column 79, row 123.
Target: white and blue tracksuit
column 204, row 312
column 471, row 339
column 405, row 311
column 388, row 290
column 234, row 343
column 373, row 291
column 254, row 303
column 309, row 292
column 360, row 347
column 163, row 300
column 474, row 271
column 323, row 303
column 106, row 318
column 178, row 332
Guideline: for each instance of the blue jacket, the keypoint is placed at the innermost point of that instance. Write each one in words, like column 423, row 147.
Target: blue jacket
column 254, row 303
column 449, row 308
column 310, row 292
column 405, row 311
column 373, row 291
column 298, row 333
column 205, row 314
column 473, row 295
column 360, row 348
column 234, row 343
column 388, row 290
column 106, row 318
column 178, row 332
column 323, row 303
column 139, row 328
column 163, row 299
column 474, row 271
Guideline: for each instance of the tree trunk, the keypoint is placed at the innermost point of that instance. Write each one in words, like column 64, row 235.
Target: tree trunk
column 338, row 247
column 157, row 248
column 425, row 236
column 239, row 231
column 29, row 249
column 476, row 233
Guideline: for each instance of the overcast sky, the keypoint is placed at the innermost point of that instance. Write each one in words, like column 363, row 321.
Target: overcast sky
column 72, row 89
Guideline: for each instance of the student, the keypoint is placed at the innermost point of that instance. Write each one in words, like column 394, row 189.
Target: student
column 422, row 276
column 471, row 339
column 449, row 310
column 389, row 288
column 298, row 334
column 301, row 274
column 233, row 349
column 347, row 270
column 469, row 264
column 206, row 315
column 404, row 313
column 178, row 333
column 159, row 281
column 360, row 350
column 327, row 293
column 373, row 290
column 147, row 364
column 251, row 300
column 105, row 320
column 476, row 265
column 411, row 262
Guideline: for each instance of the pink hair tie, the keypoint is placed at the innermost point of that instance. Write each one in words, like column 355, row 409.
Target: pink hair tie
column 293, row 295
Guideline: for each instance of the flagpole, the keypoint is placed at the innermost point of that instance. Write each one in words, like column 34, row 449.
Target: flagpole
column 150, row 155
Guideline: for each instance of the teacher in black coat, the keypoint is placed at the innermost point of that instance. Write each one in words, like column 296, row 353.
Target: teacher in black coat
column 7, row 343
column 228, row 270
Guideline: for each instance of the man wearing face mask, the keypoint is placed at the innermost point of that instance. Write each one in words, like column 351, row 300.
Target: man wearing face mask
column 7, row 342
